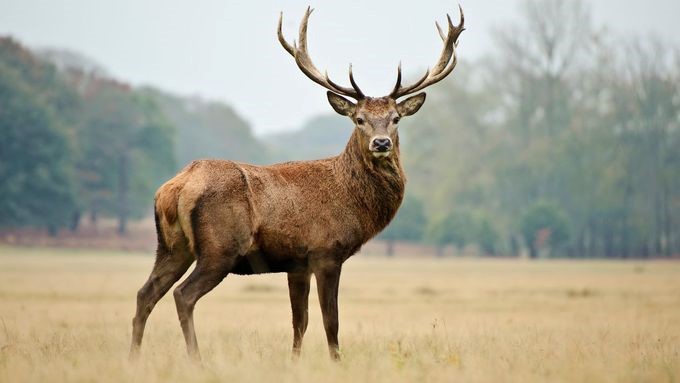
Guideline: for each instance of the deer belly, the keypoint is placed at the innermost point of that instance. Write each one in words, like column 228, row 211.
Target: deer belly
column 297, row 244
column 258, row 262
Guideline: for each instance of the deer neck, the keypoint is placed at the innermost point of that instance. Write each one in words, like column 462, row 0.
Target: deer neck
column 376, row 184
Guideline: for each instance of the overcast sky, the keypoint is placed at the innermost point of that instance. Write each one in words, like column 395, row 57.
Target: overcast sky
column 227, row 50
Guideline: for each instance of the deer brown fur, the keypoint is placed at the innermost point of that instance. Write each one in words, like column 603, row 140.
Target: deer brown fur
column 303, row 218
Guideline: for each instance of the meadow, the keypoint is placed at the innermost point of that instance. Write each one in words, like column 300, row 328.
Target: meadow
column 65, row 315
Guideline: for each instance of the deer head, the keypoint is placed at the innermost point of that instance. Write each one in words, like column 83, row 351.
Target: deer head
column 376, row 117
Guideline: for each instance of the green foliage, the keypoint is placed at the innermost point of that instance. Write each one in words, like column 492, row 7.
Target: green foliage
column 35, row 157
column 545, row 119
column 75, row 141
column 408, row 224
column 487, row 236
column 126, row 149
column 461, row 228
column 544, row 224
column 456, row 228
column 588, row 121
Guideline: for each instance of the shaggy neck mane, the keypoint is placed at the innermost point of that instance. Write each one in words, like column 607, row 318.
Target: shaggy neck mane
column 376, row 184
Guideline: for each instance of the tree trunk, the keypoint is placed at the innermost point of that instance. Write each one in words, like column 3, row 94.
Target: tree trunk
column 579, row 248
column 629, row 247
column 514, row 246
column 123, row 193
column 75, row 221
column 667, row 231
column 608, row 244
column 533, row 252
column 390, row 248
column 94, row 218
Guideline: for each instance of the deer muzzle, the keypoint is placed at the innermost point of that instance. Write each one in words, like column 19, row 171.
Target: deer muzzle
column 381, row 146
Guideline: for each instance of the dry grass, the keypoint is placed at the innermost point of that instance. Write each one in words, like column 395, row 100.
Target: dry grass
column 65, row 316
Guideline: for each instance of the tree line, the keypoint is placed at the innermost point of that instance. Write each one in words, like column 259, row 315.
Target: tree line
column 77, row 144
column 74, row 143
column 565, row 141
column 562, row 141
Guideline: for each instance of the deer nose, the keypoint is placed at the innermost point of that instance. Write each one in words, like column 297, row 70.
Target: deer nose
column 382, row 144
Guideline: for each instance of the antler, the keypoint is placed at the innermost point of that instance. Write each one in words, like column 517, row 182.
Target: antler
column 447, row 60
column 304, row 62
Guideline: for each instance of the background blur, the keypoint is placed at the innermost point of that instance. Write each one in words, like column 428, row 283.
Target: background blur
column 558, row 134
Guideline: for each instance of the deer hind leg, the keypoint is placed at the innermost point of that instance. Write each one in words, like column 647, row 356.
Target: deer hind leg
column 168, row 268
column 298, row 288
column 205, row 277
column 327, row 282
column 219, row 239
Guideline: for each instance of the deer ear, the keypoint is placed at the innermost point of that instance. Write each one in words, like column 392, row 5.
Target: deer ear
column 411, row 105
column 341, row 105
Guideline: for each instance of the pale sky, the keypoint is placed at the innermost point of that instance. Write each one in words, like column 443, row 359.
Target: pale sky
column 227, row 50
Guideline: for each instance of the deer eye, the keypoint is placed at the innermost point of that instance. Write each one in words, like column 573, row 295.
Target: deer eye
column 395, row 120
column 360, row 121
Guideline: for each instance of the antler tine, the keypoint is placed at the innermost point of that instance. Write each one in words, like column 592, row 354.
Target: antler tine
column 400, row 91
column 446, row 63
column 354, row 84
column 304, row 62
column 282, row 39
column 397, row 85
column 441, row 33
column 341, row 89
column 447, row 50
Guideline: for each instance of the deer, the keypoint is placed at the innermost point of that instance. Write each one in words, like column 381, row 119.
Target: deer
column 302, row 218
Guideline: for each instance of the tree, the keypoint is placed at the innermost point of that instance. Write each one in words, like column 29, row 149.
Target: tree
column 407, row 225
column 127, row 149
column 588, row 121
column 486, row 236
column 646, row 108
column 456, row 228
column 544, row 225
column 36, row 187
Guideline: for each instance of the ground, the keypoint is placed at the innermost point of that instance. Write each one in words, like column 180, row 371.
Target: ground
column 65, row 315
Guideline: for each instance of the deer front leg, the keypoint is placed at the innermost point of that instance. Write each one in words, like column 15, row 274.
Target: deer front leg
column 327, row 281
column 298, row 288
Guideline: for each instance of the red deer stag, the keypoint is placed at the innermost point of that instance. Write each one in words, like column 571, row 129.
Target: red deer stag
column 301, row 218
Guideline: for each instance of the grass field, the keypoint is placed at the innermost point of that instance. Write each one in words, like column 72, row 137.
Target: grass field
column 65, row 316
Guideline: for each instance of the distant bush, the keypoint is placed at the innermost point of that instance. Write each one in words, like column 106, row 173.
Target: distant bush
column 456, row 228
column 408, row 225
column 486, row 236
column 544, row 226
